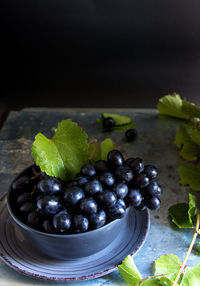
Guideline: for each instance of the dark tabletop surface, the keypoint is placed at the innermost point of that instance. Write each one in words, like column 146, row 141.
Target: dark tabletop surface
column 154, row 144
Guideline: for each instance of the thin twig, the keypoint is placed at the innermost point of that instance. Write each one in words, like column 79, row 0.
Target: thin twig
column 173, row 260
column 151, row 277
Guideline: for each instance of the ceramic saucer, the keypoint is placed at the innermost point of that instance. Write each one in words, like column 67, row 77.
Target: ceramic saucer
column 18, row 254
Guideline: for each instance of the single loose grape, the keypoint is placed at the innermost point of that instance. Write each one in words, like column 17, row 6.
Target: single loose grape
column 131, row 134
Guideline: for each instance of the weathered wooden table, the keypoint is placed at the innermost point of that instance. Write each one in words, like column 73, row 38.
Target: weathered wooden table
column 154, row 144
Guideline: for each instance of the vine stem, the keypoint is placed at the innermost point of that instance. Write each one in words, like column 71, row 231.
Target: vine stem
column 189, row 249
column 154, row 276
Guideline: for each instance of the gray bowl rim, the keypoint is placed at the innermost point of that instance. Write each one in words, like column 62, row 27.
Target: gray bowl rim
column 26, row 227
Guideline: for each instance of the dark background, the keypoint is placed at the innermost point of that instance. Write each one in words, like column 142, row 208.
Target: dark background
column 61, row 53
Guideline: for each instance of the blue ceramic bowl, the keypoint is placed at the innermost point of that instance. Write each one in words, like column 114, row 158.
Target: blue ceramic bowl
column 68, row 246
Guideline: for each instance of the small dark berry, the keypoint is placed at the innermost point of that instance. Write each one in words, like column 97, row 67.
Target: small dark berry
column 27, row 207
column 80, row 223
column 134, row 197
column 115, row 158
column 79, row 181
column 153, row 189
column 107, row 179
column 131, row 134
column 137, row 165
column 49, row 185
column 153, row 203
column 128, row 161
column 141, row 181
column 98, row 219
column 62, row 221
column 107, row 198
column 120, row 189
column 21, row 183
column 24, row 197
column 100, row 166
column 73, row 196
column 108, row 123
column 47, row 226
column 49, row 204
column 117, row 211
column 33, row 219
column 124, row 173
column 88, row 206
column 151, row 171
column 93, row 187
column 88, row 170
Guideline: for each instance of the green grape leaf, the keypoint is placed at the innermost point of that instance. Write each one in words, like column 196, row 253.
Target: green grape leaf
column 129, row 271
column 195, row 134
column 94, row 151
column 168, row 265
column 193, row 210
column 122, row 122
column 191, row 276
column 182, row 214
column 188, row 149
column 163, row 281
column 179, row 215
column 153, row 282
column 119, row 119
column 64, row 154
column 124, row 127
column 171, row 105
column 166, row 282
column 196, row 248
column 100, row 151
column 190, row 175
column 181, row 136
column 190, row 109
column 106, row 146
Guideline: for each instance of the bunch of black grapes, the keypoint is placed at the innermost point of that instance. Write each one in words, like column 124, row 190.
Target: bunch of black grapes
column 99, row 194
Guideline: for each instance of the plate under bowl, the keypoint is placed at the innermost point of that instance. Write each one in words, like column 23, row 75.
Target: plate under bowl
column 17, row 252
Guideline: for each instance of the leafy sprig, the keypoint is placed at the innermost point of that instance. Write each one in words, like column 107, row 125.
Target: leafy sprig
column 122, row 122
column 192, row 273
column 168, row 269
column 182, row 214
column 187, row 137
column 63, row 155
